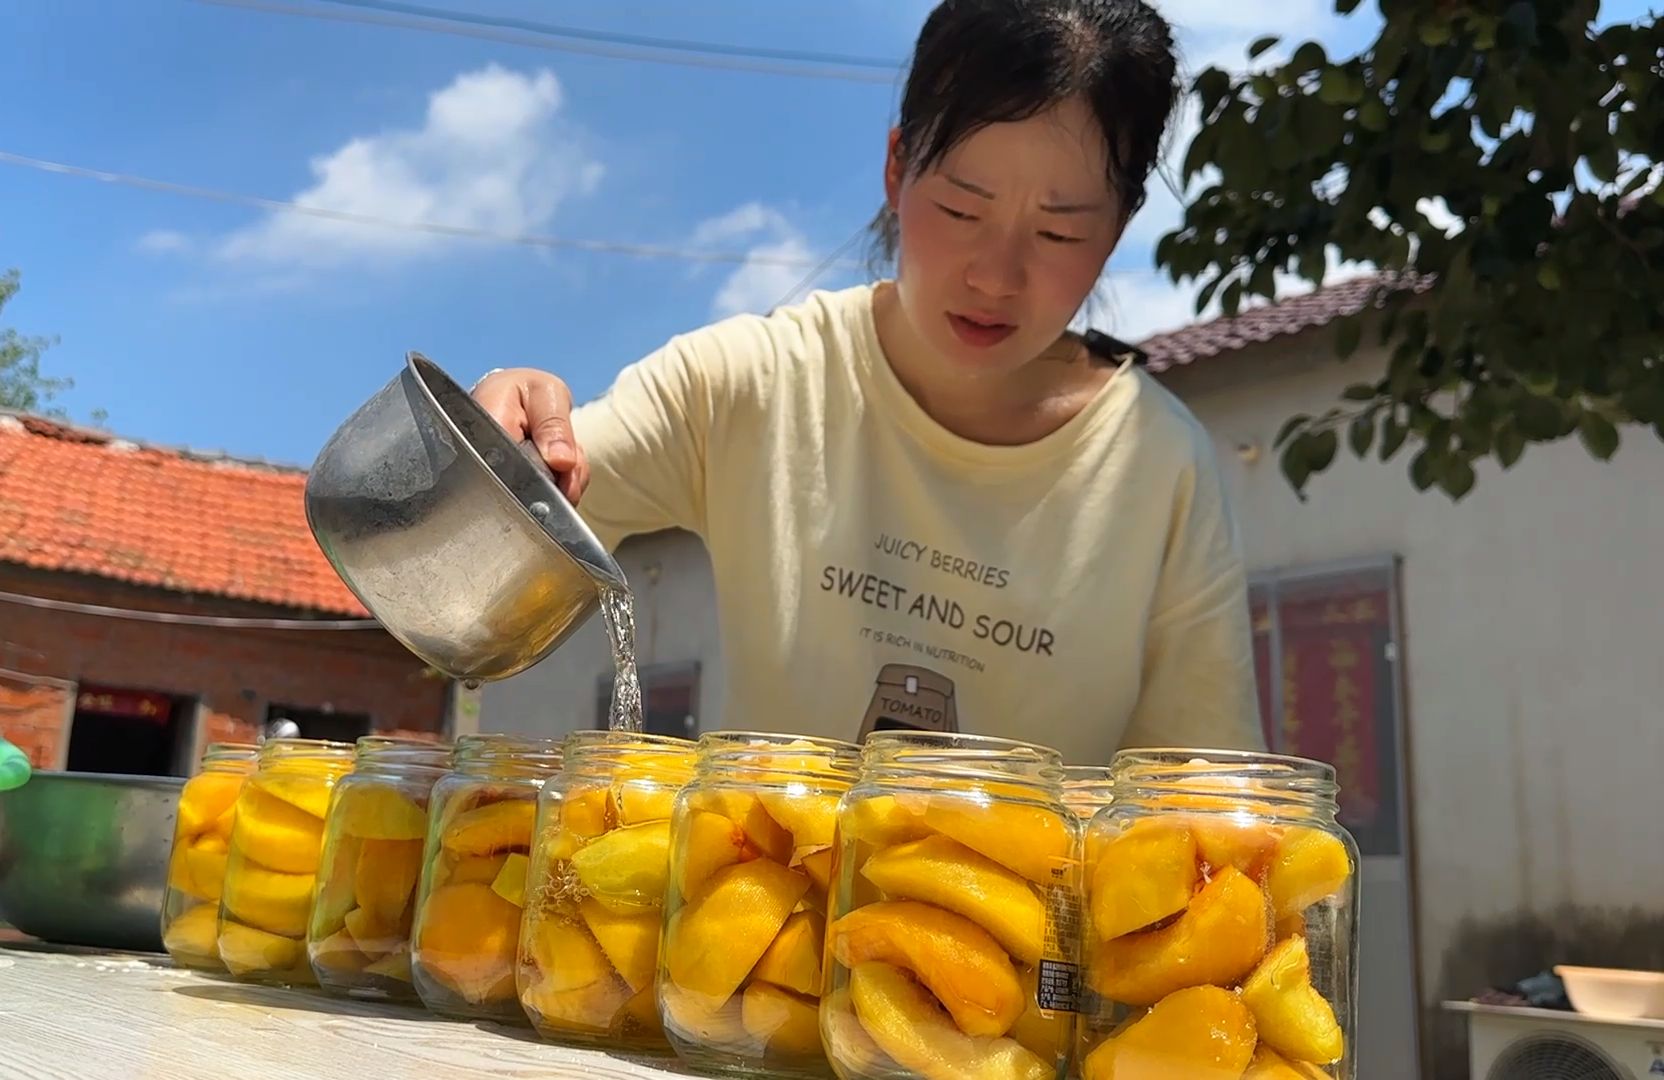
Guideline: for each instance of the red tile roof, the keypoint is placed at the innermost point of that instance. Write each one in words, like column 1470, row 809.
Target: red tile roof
column 87, row 502
column 1287, row 317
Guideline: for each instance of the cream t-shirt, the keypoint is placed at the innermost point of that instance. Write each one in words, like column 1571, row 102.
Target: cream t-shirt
column 1085, row 591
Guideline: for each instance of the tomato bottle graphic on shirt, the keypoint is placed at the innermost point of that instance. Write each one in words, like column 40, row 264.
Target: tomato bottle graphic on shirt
column 911, row 698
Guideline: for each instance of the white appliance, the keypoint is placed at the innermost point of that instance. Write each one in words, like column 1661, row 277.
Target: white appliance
column 1507, row 1043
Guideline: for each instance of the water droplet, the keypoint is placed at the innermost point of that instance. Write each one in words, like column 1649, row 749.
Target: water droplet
column 470, row 684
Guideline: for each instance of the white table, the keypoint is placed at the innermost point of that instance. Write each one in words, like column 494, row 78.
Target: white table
column 74, row 1014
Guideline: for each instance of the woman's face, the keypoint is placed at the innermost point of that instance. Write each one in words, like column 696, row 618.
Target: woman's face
column 1002, row 241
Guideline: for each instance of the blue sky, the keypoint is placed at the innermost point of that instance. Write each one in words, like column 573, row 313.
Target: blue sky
column 194, row 322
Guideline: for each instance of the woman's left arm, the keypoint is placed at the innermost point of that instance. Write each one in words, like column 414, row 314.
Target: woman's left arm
column 1198, row 674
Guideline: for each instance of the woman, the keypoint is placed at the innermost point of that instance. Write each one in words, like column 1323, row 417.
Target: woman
column 925, row 501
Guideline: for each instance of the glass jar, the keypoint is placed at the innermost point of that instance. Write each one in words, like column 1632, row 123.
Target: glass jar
column 201, row 844
column 358, row 939
column 466, row 933
column 1220, row 923
column 745, row 907
column 277, row 841
column 951, row 938
column 596, row 891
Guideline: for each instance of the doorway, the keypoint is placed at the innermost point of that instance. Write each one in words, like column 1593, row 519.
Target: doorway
column 138, row 732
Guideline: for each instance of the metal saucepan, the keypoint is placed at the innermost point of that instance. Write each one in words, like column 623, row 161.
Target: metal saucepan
column 452, row 533
column 84, row 857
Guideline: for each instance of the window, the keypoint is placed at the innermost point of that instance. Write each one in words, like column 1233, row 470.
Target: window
column 669, row 699
column 1326, row 651
column 324, row 723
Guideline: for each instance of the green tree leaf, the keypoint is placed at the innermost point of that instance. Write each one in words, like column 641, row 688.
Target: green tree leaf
column 1393, row 435
column 1261, row 46
column 1361, row 433
column 1510, row 445
column 1598, row 435
column 1456, row 477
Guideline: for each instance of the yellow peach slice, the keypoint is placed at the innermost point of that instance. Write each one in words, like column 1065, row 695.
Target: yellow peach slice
column 710, row 842
column 587, row 812
column 1220, row 937
column 379, row 813
column 193, row 933
column 469, row 939
column 630, row 942
column 276, row 833
column 783, row 1022
column 1270, row 1065
column 810, row 816
column 475, row 870
column 338, row 953
column 510, row 882
column 944, row 872
column 246, row 950
column 205, row 860
column 268, row 900
column 1309, row 865
column 639, row 1018
column 1034, row 841
column 1292, row 1017
column 639, row 803
column 961, row 963
column 565, row 954
column 908, row 1024
column 1043, row 1032
column 385, row 880
column 491, row 829
column 1230, row 840
column 715, row 941
column 307, row 793
column 697, row 1018
column 745, row 809
column 204, row 798
column 1142, row 876
column 628, row 867
column 793, row 959
column 1199, row 1033
column 395, row 965
column 373, row 937
column 882, row 820
column 847, row 1042
column 587, row 1009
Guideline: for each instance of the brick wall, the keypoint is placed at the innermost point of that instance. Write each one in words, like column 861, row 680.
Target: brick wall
column 235, row 673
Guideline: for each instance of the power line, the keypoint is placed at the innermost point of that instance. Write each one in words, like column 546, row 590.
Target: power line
column 613, row 38
column 175, row 619
column 821, row 267
column 604, row 247
column 591, row 43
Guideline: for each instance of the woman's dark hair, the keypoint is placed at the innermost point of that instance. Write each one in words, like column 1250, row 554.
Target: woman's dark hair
column 981, row 62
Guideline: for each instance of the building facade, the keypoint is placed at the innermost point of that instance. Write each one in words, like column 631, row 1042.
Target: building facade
column 153, row 601
column 1483, row 675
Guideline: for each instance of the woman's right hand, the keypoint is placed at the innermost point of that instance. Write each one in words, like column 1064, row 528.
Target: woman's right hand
column 537, row 405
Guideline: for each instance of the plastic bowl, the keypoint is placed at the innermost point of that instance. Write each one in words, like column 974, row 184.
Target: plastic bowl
column 1614, row 993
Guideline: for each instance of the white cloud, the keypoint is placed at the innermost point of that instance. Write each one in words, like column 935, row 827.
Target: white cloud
column 492, row 153
column 768, row 277
column 163, row 242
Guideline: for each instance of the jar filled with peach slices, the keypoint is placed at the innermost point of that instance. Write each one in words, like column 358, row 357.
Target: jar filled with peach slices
column 358, row 939
column 751, row 851
column 595, row 895
column 951, row 935
column 1219, row 932
column 466, row 932
column 201, row 846
column 277, row 841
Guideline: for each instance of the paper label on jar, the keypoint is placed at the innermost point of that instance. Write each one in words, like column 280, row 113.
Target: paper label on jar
column 1057, row 985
